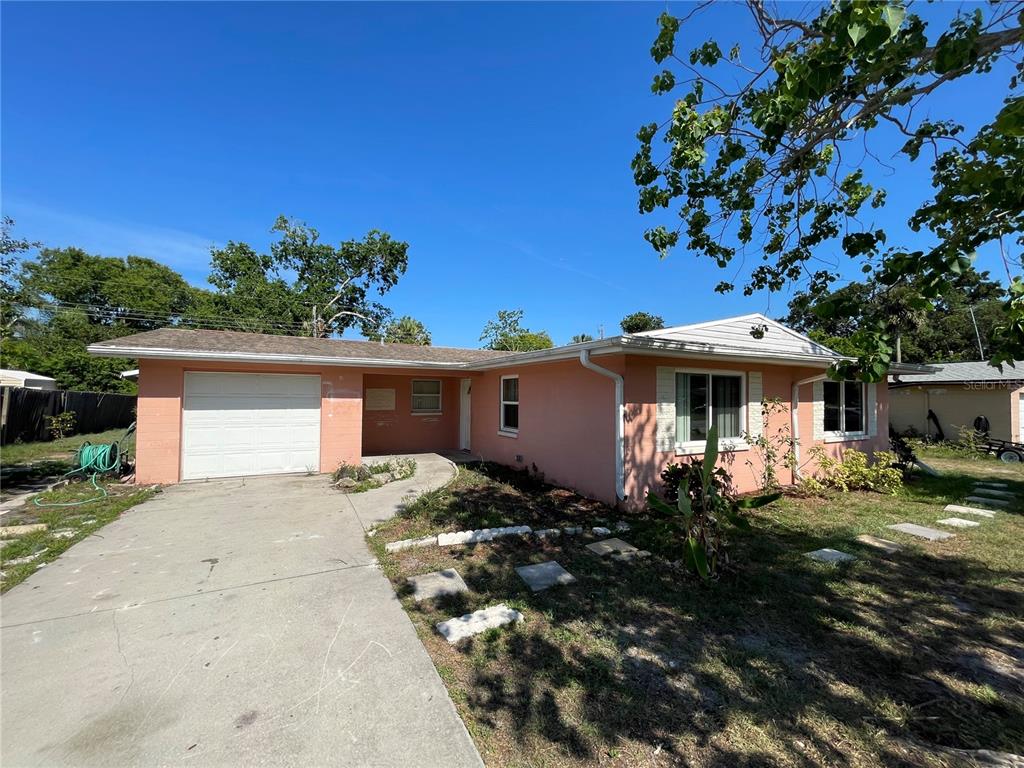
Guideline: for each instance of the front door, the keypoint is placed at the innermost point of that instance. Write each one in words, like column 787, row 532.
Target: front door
column 464, row 413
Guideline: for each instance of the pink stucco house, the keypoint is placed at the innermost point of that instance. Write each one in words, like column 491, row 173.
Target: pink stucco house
column 603, row 417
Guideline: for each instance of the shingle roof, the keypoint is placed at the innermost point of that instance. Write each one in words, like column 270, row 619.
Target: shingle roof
column 234, row 342
column 947, row 372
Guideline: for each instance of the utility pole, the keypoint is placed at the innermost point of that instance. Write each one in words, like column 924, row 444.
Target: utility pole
column 899, row 349
column 981, row 350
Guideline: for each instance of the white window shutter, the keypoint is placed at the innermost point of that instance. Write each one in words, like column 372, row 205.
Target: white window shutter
column 755, row 393
column 818, row 402
column 665, row 415
column 872, row 406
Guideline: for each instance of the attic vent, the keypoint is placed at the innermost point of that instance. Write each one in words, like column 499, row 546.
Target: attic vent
column 758, row 331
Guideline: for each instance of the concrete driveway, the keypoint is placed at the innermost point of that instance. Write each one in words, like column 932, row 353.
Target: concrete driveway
column 237, row 622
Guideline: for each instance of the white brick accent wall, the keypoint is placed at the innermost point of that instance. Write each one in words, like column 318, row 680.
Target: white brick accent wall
column 755, row 393
column 818, row 409
column 665, row 415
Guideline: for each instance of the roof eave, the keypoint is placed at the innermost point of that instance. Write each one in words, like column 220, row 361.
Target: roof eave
column 278, row 359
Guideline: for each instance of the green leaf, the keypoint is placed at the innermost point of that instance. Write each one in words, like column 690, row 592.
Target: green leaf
column 856, row 32
column 699, row 557
column 755, row 502
column 893, row 16
column 710, row 455
column 658, row 505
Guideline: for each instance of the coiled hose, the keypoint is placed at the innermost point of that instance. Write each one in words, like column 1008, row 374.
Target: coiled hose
column 91, row 459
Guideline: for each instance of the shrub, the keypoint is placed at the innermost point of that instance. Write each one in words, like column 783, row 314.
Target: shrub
column 703, row 501
column 62, row 425
column 853, row 472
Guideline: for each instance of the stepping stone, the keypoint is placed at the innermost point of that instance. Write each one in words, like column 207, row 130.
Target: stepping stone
column 474, row 623
column 20, row 530
column 599, row 531
column 610, row 547
column 544, row 575
column 991, row 484
column 990, row 502
column 885, row 545
column 959, row 522
column 995, row 492
column 629, row 557
column 437, row 584
column 829, row 556
column 921, row 531
column 957, row 509
column 398, row 546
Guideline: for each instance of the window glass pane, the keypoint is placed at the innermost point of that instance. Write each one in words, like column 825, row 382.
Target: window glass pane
column 682, row 407
column 697, row 395
column 833, row 421
column 426, row 402
column 853, row 406
column 510, row 416
column 510, row 390
column 426, row 387
column 725, row 405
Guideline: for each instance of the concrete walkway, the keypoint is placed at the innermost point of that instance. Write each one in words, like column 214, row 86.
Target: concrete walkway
column 230, row 623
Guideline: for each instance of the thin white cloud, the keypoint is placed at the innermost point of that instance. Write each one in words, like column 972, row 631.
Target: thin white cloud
column 186, row 252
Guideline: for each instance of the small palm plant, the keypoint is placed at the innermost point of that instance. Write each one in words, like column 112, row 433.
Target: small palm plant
column 704, row 501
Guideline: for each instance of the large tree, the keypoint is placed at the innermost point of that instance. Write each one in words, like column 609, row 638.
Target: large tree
column 70, row 299
column 506, row 332
column 305, row 281
column 764, row 149
column 965, row 314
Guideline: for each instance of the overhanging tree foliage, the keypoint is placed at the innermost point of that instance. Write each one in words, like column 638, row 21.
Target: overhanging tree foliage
column 964, row 316
column 765, row 154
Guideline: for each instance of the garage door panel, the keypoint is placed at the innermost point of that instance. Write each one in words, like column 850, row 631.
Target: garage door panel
column 250, row 424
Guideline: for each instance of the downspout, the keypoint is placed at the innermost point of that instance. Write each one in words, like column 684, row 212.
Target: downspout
column 620, row 416
column 794, row 415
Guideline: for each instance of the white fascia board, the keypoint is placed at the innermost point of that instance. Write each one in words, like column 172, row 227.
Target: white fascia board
column 251, row 357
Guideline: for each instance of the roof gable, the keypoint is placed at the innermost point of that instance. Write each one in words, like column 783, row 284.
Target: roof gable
column 735, row 333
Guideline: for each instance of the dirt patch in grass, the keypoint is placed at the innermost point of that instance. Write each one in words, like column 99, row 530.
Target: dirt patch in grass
column 20, row 557
column 889, row 660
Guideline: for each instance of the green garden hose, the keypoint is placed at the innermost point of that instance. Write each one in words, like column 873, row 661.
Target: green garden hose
column 92, row 460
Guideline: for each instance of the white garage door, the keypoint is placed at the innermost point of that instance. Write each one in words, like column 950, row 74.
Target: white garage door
column 249, row 424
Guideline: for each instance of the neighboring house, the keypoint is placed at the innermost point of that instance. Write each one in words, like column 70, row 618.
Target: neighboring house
column 603, row 417
column 957, row 394
column 12, row 378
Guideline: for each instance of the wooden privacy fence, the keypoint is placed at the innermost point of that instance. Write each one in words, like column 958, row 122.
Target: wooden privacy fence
column 22, row 411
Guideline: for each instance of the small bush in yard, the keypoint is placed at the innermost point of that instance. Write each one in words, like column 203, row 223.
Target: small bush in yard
column 62, row 425
column 702, row 501
column 853, row 472
column 360, row 477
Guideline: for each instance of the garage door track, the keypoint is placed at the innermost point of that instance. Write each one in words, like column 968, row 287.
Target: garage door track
column 237, row 622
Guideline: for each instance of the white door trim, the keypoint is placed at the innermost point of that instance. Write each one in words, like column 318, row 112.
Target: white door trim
column 465, row 413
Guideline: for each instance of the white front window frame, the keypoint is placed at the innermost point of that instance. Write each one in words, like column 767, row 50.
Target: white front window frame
column 503, row 429
column 413, row 394
column 725, row 444
column 842, row 434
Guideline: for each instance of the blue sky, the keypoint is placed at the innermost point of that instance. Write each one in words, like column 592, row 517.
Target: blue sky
column 494, row 138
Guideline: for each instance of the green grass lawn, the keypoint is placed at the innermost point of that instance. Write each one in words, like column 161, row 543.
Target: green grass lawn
column 889, row 660
column 25, row 453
